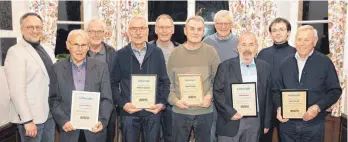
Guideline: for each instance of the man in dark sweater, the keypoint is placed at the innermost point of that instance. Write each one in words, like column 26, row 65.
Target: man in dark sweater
column 104, row 53
column 139, row 58
column 280, row 30
column 311, row 70
column 164, row 29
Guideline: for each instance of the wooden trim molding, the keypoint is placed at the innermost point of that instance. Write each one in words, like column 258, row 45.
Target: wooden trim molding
column 9, row 133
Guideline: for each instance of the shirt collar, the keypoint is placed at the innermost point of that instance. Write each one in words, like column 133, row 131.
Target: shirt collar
column 101, row 51
column 135, row 49
column 297, row 56
column 83, row 64
column 223, row 38
column 251, row 65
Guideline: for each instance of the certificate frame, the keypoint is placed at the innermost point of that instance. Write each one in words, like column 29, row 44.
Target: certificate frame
column 282, row 103
column 132, row 98
column 201, row 88
column 75, row 97
column 254, row 113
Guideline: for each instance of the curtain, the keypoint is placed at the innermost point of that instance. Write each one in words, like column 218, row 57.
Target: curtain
column 253, row 16
column 127, row 10
column 107, row 12
column 337, row 16
column 48, row 10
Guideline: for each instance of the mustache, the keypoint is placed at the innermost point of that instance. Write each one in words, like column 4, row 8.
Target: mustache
column 247, row 52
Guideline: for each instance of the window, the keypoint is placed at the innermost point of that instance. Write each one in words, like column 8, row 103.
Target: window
column 315, row 13
column 180, row 11
column 70, row 17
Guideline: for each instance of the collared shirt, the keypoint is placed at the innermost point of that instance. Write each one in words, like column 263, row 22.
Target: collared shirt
column 139, row 54
column 166, row 50
column 101, row 55
column 79, row 75
column 301, row 63
column 223, row 38
column 249, row 74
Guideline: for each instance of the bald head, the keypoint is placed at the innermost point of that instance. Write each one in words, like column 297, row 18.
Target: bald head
column 247, row 35
column 77, row 44
column 247, row 47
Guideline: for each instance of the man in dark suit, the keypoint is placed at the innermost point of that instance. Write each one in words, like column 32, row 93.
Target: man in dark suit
column 231, row 125
column 81, row 74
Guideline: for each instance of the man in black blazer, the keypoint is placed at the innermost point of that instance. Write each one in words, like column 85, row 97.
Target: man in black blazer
column 79, row 73
column 231, row 125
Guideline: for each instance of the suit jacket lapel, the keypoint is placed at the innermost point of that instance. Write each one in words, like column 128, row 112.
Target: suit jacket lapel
column 35, row 55
column 258, row 70
column 236, row 69
column 68, row 76
column 89, row 74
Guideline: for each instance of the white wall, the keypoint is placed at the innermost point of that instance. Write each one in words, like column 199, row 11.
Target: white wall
column 289, row 10
column 18, row 9
column 4, row 99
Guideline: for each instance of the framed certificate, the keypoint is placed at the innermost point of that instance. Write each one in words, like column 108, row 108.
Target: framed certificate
column 143, row 91
column 191, row 88
column 293, row 103
column 84, row 109
column 244, row 98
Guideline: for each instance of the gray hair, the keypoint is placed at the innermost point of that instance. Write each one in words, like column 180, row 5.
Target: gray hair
column 195, row 18
column 29, row 14
column 306, row 28
column 74, row 33
column 138, row 17
column 223, row 13
column 165, row 16
column 96, row 21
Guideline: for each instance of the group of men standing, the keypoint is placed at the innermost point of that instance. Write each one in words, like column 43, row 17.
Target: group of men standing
column 41, row 89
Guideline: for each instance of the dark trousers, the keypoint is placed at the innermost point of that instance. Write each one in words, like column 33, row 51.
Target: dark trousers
column 111, row 127
column 268, row 136
column 166, row 123
column 132, row 126
column 182, row 125
column 82, row 136
column 301, row 131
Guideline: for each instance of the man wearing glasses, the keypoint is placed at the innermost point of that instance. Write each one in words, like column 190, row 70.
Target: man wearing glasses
column 28, row 66
column 223, row 40
column 103, row 52
column 164, row 29
column 225, row 44
column 135, row 60
column 79, row 73
column 279, row 30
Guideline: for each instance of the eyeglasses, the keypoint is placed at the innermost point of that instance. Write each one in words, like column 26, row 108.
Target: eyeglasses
column 277, row 30
column 96, row 32
column 162, row 28
column 134, row 29
column 31, row 28
column 76, row 46
column 223, row 24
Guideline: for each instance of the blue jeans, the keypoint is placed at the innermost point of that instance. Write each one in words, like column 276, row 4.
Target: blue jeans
column 301, row 131
column 45, row 132
column 183, row 123
column 133, row 125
